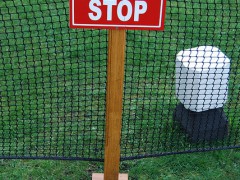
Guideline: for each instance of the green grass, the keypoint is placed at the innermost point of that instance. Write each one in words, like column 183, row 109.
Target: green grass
column 150, row 67
column 210, row 165
column 50, row 83
column 53, row 83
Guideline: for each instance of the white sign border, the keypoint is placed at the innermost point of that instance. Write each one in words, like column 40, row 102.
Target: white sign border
column 117, row 25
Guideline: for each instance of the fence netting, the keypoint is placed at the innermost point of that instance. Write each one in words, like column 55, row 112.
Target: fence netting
column 53, row 82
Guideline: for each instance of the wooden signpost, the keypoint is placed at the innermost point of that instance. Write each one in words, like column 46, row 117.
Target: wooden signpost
column 115, row 80
column 117, row 16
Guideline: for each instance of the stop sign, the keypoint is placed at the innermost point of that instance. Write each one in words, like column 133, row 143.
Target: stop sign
column 122, row 14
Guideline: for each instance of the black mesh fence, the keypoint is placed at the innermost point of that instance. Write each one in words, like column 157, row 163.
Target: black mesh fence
column 155, row 82
column 53, row 82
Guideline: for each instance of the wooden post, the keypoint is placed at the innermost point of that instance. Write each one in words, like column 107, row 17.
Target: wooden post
column 115, row 81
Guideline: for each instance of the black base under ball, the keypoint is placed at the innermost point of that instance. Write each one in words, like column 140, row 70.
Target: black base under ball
column 202, row 126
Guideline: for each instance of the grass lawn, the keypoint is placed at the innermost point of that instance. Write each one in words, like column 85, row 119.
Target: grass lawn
column 210, row 165
column 53, row 88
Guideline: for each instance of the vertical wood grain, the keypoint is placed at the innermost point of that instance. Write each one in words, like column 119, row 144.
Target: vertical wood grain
column 115, row 80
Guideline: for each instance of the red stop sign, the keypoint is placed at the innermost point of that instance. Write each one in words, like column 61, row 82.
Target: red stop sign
column 122, row 14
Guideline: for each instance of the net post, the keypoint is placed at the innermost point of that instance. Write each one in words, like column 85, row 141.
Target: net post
column 115, row 81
